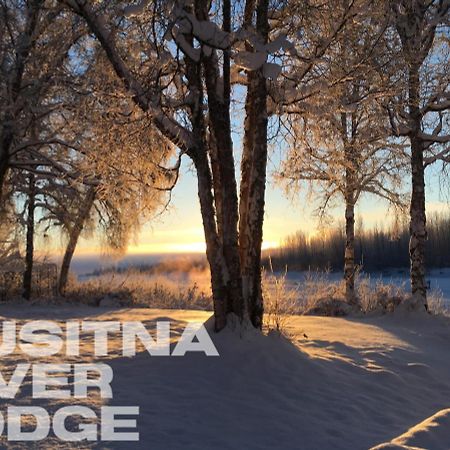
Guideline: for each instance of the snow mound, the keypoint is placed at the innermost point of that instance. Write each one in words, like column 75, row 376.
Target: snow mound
column 432, row 433
column 330, row 307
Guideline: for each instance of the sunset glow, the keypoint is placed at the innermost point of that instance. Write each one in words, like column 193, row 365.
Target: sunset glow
column 187, row 247
column 165, row 247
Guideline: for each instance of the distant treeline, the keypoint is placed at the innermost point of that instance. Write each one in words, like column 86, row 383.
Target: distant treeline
column 176, row 264
column 375, row 249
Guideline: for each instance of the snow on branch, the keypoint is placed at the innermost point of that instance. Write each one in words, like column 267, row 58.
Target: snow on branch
column 256, row 59
column 191, row 52
column 135, row 10
column 434, row 138
column 271, row 70
column 443, row 155
column 438, row 103
column 208, row 34
column 398, row 127
column 211, row 36
column 250, row 61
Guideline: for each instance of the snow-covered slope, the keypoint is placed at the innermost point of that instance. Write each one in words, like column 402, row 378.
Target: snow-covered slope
column 432, row 433
column 337, row 384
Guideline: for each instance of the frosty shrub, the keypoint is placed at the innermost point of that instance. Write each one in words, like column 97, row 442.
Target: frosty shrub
column 283, row 297
column 317, row 288
column 280, row 301
column 436, row 304
column 379, row 296
column 133, row 289
column 317, row 294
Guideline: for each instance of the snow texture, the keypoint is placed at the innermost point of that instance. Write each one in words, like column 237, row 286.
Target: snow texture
column 193, row 53
column 432, row 433
column 337, row 384
column 250, row 61
column 271, row 70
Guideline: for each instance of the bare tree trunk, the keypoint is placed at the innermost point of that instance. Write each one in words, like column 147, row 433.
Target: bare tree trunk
column 4, row 166
column 225, row 189
column 348, row 130
column 253, row 181
column 74, row 235
column 6, row 139
column 349, row 257
column 215, row 173
column 417, row 228
column 219, row 272
column 29, row 256
column 222, row 162
column 245, row 233
column 350, row 200
column 215, row 199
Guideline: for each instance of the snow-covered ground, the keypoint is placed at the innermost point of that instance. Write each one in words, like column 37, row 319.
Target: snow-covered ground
column 336, row 384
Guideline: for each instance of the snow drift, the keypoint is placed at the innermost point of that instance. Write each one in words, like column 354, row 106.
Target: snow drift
column 337, row 383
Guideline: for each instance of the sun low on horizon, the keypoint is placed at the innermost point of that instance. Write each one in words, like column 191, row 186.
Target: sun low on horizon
column 150, row 244
column 180, row 231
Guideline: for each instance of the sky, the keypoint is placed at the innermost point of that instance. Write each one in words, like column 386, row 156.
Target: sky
column 179, row 230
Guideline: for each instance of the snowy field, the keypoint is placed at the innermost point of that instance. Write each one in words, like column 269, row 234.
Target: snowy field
column 335, row 384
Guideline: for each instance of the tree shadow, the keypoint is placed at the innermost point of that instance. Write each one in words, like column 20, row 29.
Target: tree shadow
column 272, row 393
column 266, row 392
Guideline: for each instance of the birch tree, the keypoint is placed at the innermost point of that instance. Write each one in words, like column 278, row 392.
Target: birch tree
column 341, row 145
column 342, row 157
column 69, row 209
column 179, row 61
column 420, row 110
column 26, row 191
column 29, row 251
column 181, row 78
column 117, row 191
